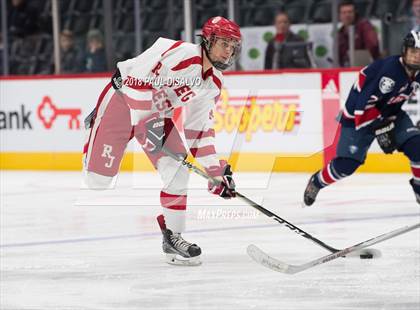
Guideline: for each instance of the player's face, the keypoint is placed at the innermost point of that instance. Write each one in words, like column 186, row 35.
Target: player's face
column 223, row 49
column 412, row 56
column 347, row 14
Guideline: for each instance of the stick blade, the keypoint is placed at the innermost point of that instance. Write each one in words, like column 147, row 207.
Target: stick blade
column 264, row 259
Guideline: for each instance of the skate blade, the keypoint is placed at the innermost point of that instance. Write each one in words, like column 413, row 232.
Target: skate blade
column 177, row 260
column 303, row 205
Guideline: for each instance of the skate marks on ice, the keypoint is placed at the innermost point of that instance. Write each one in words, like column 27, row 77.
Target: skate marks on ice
column 120, row 265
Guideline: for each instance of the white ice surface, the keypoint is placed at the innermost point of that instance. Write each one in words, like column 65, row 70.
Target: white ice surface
column 67, row 248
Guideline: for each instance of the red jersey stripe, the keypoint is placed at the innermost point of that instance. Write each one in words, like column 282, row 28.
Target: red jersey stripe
column 175, row 45
column 187, row 62
column 217, row 81
column 367, row 116
column 206, row 74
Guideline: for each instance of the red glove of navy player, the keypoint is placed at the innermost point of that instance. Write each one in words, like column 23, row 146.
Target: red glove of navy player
column 222, row 173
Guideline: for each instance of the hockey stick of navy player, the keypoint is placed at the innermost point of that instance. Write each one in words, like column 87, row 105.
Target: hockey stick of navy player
column 264, row 259
column 260, row 208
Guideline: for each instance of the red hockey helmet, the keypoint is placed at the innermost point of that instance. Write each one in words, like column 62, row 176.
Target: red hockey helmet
column 221, row 28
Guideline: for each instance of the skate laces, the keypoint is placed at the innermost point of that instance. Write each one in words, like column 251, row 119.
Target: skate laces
column 179, row 242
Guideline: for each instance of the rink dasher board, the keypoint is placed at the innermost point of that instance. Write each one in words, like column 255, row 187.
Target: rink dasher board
column 30, row 129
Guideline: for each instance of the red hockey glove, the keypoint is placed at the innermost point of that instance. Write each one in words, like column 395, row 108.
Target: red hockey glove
column 222, row 173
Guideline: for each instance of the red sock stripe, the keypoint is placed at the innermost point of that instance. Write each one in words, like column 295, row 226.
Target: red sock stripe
column 416, row 171
column 161, row 222
column 328, row 179
column 203, row 151
column 173, row 202
column 198, row 134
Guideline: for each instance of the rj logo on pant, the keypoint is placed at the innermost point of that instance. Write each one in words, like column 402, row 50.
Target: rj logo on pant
column 107, row 154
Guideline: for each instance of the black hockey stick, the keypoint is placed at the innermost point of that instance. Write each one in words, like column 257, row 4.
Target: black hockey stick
column 253, row 204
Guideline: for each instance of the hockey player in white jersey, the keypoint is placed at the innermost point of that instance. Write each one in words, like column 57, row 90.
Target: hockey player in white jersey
column 139, row 102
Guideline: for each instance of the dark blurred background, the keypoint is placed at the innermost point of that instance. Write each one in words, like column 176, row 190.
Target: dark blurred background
column 93, row 35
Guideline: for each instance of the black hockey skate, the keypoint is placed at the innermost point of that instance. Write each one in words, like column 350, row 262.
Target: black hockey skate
column 415, row 193
column 311, row 191
column 177, row 250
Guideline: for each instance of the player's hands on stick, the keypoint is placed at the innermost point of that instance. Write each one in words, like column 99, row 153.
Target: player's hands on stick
column 152, row 133
column 385, row 136
column 222, row 173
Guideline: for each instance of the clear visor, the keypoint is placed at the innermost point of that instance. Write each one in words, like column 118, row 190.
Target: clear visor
column 224, row 51
column 229, row 46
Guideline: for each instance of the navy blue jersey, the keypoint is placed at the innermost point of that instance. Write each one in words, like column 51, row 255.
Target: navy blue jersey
column 380, row 91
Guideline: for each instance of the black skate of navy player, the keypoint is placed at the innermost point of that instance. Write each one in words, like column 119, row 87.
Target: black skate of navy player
column 373, row 110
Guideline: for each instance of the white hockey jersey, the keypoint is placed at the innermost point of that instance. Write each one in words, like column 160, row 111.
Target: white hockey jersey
column 169, row 75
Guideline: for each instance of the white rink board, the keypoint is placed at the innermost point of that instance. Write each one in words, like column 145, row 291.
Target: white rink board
column 302, row 90
column 71, row 93
column 82, row 94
